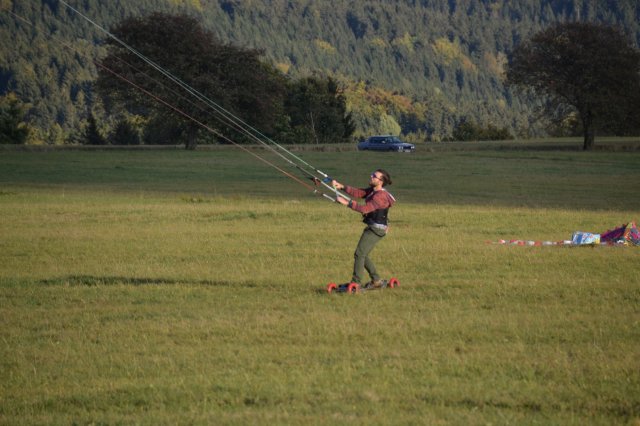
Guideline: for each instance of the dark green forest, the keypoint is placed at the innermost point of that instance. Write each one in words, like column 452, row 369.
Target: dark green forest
column 416, row 68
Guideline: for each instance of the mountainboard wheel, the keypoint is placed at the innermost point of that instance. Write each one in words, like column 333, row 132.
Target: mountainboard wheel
column 393, row 283
column 353, row 288
column 331, row 287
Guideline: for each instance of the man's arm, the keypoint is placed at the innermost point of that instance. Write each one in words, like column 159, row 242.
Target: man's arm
column 354, row 192
column 378, row 201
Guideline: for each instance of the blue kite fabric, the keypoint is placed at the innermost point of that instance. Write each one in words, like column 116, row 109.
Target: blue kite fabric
column 584, row 238
column 626, row 235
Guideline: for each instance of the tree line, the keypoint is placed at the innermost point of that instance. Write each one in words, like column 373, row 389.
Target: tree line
column 416, row 68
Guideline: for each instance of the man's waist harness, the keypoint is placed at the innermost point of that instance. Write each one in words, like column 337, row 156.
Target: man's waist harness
column 378, row 217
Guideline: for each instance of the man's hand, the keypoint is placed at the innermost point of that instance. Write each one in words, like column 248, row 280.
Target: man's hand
column 337, row 185
column 342, row 200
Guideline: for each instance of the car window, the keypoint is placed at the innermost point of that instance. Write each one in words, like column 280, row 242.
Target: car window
column 383, row 140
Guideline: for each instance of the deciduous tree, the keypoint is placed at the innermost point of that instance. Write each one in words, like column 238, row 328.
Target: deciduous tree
column 316, row 108
column 233, row 77
column 589, row 69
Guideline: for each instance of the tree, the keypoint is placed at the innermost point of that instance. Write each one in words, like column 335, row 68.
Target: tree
column 317, row 111
column 233, row 77
column 588, row 69
column 469, row 131
column 92, row 135
column 158, row 132
column 125, row 134
column 13, row 130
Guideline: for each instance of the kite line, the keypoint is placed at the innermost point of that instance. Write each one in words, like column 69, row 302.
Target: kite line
column 317, row 176
column 224, row 115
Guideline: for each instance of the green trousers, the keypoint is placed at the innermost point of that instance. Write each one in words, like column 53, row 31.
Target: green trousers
column 362, row 261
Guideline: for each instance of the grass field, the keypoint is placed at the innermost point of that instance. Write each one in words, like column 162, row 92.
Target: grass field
column 163, row 287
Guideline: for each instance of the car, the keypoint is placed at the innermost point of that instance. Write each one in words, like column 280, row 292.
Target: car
column 385, row 143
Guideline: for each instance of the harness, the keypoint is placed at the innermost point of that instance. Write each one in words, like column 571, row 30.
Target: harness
column 377, row 217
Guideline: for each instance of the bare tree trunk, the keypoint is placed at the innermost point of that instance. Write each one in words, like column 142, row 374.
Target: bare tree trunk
column 313, row 128
column 588, row 131
column 192, row 142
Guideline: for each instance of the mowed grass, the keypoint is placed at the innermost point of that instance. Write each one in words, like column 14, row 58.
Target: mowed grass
column 188, row 287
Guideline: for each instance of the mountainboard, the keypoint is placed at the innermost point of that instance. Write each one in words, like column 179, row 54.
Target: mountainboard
column 353, row 288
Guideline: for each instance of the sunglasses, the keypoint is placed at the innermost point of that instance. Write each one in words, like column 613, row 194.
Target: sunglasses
column 373, row 175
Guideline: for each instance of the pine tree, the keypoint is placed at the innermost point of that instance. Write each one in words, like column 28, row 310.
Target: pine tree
column 92, row 135
column 13, row 130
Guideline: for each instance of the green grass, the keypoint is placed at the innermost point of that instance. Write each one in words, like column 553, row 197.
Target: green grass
column 187, row 287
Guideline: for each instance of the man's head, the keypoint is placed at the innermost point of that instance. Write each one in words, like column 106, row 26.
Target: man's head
column 380, row 176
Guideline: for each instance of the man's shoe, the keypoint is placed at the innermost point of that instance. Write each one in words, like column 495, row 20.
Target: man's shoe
column 376, row 284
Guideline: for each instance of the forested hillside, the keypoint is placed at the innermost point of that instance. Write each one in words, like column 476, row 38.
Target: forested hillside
column 419, row 68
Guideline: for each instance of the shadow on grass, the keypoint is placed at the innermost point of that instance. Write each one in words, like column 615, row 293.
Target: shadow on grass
column 90, row 280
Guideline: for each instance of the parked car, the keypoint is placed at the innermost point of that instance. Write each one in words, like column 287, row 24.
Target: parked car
column 385, row 143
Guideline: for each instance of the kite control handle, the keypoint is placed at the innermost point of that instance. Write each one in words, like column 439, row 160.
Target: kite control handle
column 326, row 180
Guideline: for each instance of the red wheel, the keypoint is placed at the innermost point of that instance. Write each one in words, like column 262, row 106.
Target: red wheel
column 331, row 287
column 353, row 288
column 393, row 283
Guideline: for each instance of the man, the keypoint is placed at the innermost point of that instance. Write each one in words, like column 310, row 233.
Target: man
column 375, row 210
